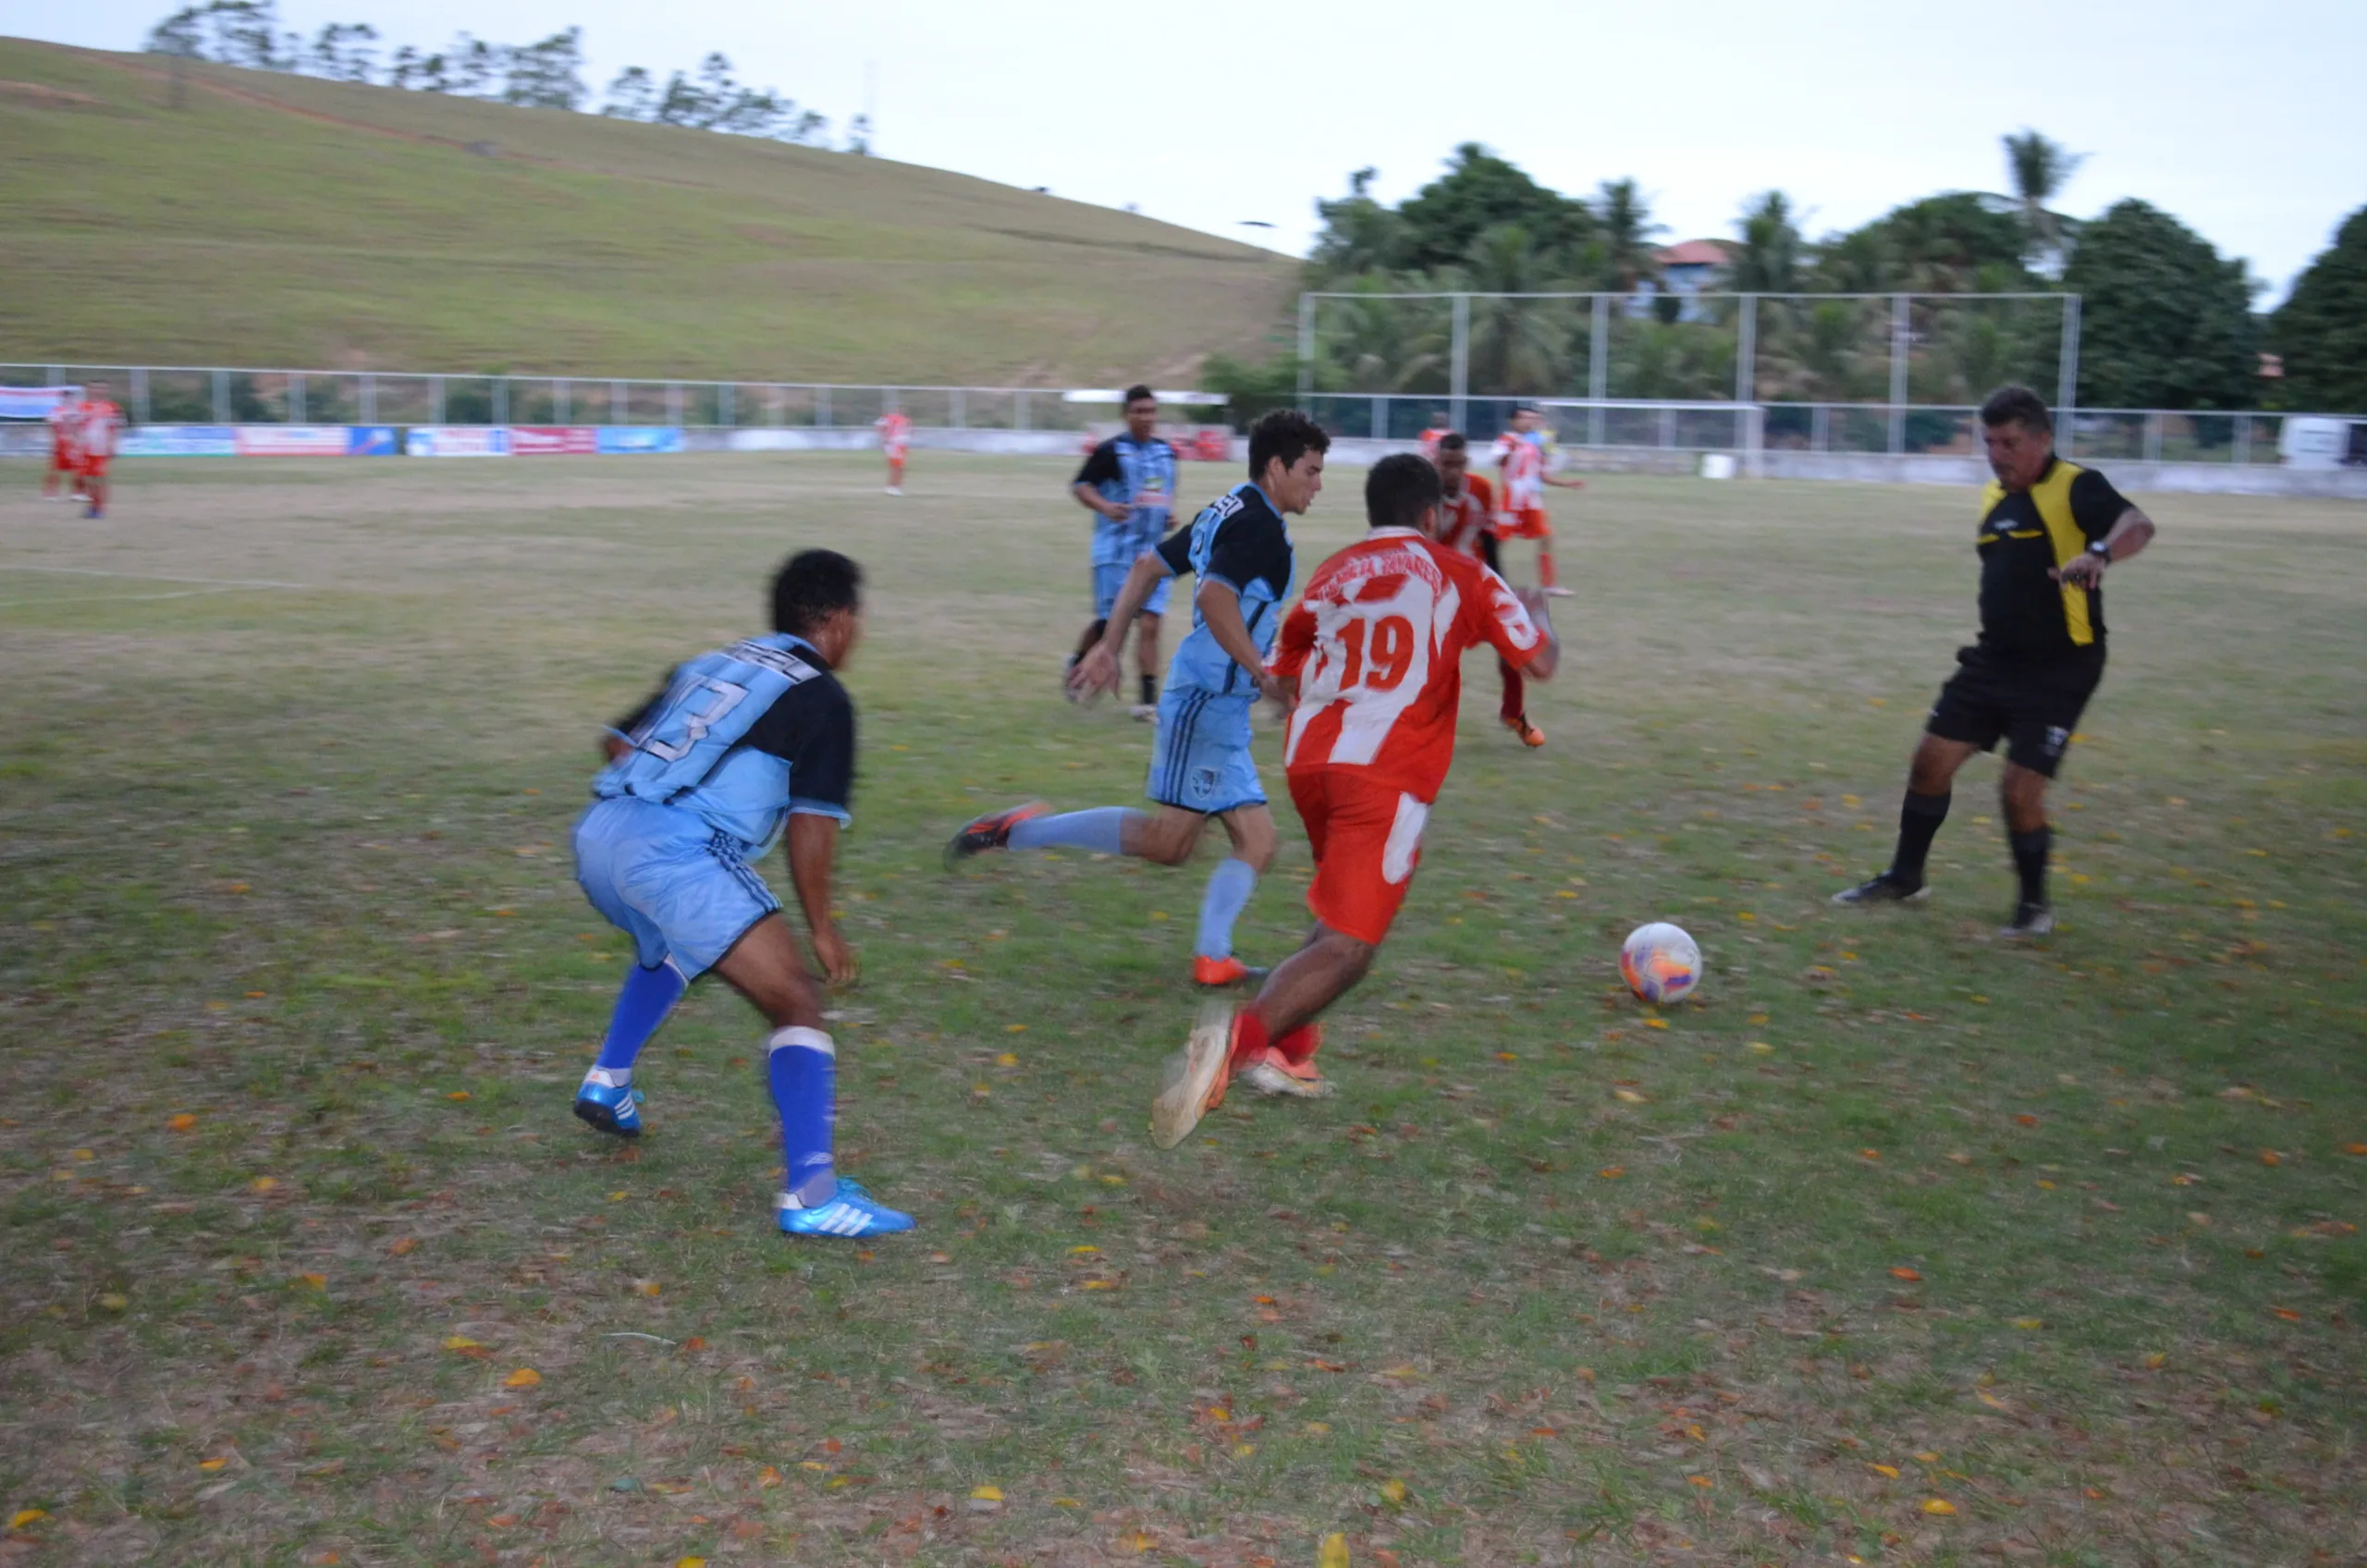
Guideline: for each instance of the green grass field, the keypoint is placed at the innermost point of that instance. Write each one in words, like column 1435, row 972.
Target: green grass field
column 1898, row 1243
column 278, row 221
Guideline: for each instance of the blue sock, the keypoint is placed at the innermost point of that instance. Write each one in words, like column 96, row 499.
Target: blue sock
column 803, row 1069
column 1230, row 886
column 643, row 1002
column 1102, row 830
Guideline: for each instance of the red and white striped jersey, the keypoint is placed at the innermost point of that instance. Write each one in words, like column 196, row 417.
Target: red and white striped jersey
column 63, row 417
column 895, row 430
column 1522, row 461
column 1376, row 644
column 96, row 423
column 1466, row 515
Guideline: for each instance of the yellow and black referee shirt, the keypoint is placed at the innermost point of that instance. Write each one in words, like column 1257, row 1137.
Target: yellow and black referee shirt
column 2025, row 534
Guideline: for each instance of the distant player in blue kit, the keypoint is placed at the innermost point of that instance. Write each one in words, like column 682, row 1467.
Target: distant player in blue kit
column 1200, row 767
column 1129, row 486
column 741, row 744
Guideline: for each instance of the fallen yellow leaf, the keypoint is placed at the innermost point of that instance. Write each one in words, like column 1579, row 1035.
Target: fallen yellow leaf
column 1903, row 1272
column 524, row 1378
column 459, row 1095
column 1007, row 1060
column 312, row 1281
column 263, row 1183
column 1628, row 1097
column 1612, row 1172
column 1927, row 1456
column 461, row 1342
column 1939, row 1505
column 986, row 1494
column 647, row 1288
column 181, row 1123
column 1702, row 1481
column 24, row 1516
column 1334, row 1552
column 1082, row 1249
column 1393, row 1491
column 768, row 1477
column 1656, row 1023
column 2029, row 1323
column 403, row 1245
column 1992, row 1401
column 2154, row 1361
column 1142, row 1540
column 689, row 1562
column 210, row 1466
column 1889, row 1470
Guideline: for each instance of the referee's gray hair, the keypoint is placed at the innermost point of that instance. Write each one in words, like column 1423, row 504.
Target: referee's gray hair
column 2017, row 405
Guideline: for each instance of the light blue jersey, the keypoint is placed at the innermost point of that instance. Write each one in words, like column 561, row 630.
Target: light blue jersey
column 1141, row 476
column 1239, row 540
column 740, row 739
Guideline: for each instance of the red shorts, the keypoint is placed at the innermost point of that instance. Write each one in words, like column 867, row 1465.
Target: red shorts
column 1528, row 523
column 1367, row 838
column 64, row 460
column 95, row 467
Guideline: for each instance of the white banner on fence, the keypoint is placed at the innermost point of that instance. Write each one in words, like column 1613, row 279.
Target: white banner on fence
column 457, row 441
column 291, row 440
column 32, row 402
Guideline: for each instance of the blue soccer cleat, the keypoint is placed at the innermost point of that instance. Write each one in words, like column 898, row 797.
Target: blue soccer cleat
column 849, row 1211
column 609, row 1108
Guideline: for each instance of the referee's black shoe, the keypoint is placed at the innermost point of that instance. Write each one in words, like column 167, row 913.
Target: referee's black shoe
column 2030, row 919
column 1883, row 890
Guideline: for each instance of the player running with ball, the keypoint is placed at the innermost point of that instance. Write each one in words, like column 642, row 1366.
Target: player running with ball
column 743, row 743
column 1373, row 658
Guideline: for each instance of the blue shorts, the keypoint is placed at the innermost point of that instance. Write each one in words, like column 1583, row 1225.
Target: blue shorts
column 1200, row 760
column 1108, row 580
column 676, row 886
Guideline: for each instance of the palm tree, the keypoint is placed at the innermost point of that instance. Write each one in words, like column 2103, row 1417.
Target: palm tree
column 2041, row 169
column 1628, row 231
column 1769, row 261
column 1516, row 345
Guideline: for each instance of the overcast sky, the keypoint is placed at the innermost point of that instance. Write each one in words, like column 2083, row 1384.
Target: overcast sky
column 2246, row 121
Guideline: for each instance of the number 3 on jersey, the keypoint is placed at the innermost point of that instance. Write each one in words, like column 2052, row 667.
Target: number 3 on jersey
column 722, row 697
column 1378, row 657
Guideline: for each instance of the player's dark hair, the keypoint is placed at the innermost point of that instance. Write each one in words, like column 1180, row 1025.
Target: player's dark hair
column 1285, row 433
column 1137, row 392
column 2017, row 405
column 1452, row 441
column 811, row 587
column 1400, row 487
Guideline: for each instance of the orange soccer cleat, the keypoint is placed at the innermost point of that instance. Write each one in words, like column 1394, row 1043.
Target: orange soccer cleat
column 1530, row 736
column 1214, row 971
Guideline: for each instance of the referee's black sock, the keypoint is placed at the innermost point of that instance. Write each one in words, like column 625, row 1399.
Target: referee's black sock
column 1150, row 692
column 1918, row 818
column 2030, row 859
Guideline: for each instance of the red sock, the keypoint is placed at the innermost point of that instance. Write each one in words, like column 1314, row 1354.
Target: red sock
column 1516, row 692
column 1545, row 566
column 1249, row 1040
column 1299, row 1046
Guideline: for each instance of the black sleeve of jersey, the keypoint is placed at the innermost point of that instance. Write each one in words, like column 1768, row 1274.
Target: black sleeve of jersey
column 2095, row 505
column 640, row 716
column 1249, row 547
column 811, row 727
column 1100, row 467
column 1175, row 551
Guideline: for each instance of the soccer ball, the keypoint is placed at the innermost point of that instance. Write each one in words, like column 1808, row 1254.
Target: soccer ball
column 1660, row 962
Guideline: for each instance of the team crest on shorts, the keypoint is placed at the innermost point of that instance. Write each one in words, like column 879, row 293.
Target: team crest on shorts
column 2056, row 739
column 1202, row 784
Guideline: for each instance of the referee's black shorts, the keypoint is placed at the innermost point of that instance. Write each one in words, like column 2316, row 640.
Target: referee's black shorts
column 2033, row 706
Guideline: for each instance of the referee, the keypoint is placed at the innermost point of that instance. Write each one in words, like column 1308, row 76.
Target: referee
column 2048, row 529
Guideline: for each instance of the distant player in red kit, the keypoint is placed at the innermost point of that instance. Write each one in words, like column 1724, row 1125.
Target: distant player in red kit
column 1466, row 523
column 1521, row 465
column 895, row 435
column 97, row 425
column 1435, row 432
column 1373, row 656
column 63, row 480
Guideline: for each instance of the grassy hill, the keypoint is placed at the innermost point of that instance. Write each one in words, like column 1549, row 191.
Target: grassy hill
column 248, row 217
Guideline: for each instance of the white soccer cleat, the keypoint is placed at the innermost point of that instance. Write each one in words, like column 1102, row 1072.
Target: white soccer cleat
column 1191, row 1076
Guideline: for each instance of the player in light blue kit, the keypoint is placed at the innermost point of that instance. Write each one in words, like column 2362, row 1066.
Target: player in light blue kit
column 741, row 744
column 1200, row 765
column 1129, row 486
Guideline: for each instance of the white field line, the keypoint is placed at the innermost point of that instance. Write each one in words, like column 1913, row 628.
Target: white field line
column 154, row 576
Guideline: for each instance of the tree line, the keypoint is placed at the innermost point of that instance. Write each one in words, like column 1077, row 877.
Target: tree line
column 2167, row 322
column 544, row 75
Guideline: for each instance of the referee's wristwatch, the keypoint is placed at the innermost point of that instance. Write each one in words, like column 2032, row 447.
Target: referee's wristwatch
column 2102, row 551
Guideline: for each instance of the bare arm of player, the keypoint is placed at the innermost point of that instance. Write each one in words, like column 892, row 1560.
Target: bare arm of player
column 1221, row 607
column 1092, row 500
column 2131, row 533
column 1548, row 656
column 813, row 844
column 1097, row 671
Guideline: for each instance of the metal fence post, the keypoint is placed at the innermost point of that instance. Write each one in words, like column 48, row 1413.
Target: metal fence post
column 1380, row 418
column 1746, row 355
column 1899, row 330
column 221, row 396
column 674, row 403
column 958, row 409
column 296, row 397
column 560, row 399
column 1597, row 365
column 1019, row 408
column 140, row 392
column 1307, row 347
column 58, row 376
column 2152, row 448
column 1459, row 362
column 368, row 399
column 2242, row 451
column 616, row 402
column 435, row 400
column 822, row 407
column 726, row 403
column 501, row 399
column 2066, row 389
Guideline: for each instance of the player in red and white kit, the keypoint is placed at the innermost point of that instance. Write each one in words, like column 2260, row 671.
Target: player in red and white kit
column 895, row 435
column 1466, row 523
column 1520, row 469
column 98, row 423
column 1435, row 432
column 1373, row 655
column 63, row 480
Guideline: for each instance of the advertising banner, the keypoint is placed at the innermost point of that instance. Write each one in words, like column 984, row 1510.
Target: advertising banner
column 32, row 402
column 618, row 439
column 178, row 441
column 370, row 441
column 554, row 440
column 457, row 441
column 289, row 440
